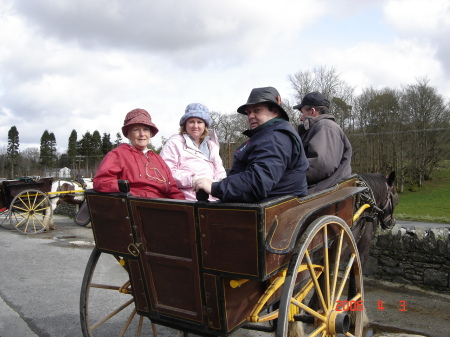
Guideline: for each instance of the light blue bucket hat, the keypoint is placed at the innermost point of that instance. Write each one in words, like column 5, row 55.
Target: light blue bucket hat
column 196, row 110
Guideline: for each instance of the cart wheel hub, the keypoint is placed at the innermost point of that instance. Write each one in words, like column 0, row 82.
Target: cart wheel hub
column 338, row 322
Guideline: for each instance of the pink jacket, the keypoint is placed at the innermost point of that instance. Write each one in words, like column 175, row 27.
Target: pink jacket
column 186, row 161
column 128, row 163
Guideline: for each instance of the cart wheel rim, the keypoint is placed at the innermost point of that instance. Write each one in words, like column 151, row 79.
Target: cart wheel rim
column 316, row 289
column 30, row 212
column 107, row 306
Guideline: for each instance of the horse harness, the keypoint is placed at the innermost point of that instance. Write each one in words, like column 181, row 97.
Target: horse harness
column 80, row 184
column 387, row 205
column 378, row 214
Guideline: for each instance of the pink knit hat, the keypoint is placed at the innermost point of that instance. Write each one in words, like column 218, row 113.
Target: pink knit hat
column 138, row 116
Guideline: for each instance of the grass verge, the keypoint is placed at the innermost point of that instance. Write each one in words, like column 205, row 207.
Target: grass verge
column 428, row 203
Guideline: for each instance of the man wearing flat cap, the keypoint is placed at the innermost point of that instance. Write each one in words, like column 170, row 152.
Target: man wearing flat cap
column 271, row 163
column 327, row 148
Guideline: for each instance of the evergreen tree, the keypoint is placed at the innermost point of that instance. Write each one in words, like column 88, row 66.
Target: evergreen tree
column 152, row 148
column 96, row 144
column 72, row 149
column 96, row 151
column 106, row 143
column 64, row 160
column 118, row 139
column 72, row 144
column 45, row 156
column 12, row 150
column 52, row 147
column 84, row 144
column 48, row 149
column 85, row 148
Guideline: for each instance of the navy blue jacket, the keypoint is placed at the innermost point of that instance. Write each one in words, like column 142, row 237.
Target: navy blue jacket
column 272, row 163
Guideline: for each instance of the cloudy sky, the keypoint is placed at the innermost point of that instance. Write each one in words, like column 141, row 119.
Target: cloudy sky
column 84, row 64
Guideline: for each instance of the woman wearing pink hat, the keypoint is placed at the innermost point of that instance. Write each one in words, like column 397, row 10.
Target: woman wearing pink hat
column 148, row 175
column 194, row 152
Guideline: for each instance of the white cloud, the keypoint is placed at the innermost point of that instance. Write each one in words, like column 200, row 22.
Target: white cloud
column 194, row 32
column 376, row 65
column 84, row 64
column 425, row 21
column 418, row 16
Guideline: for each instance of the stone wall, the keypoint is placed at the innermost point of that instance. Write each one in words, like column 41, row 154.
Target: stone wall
column 419, row 256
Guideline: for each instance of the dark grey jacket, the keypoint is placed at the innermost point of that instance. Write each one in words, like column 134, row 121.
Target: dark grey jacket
column 328, row 150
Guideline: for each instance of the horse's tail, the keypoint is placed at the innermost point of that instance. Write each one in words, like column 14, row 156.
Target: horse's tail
column 56, row 186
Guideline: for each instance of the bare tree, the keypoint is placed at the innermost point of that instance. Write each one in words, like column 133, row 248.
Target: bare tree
column 375, row 138
column 428, row 119
column 3, row 161
column 229, row 128
column 407, row 131
column 293, row 114
column 30, row 161
column 328, row 82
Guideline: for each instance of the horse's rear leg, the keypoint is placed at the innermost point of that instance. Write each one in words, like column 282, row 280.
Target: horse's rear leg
column 48, row 219
column 295, row 329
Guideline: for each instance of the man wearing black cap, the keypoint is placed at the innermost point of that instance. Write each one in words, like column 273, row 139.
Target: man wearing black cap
column 272, row 163
column 328, row 150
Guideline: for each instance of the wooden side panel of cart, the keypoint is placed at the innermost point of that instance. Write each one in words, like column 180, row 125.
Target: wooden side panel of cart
column 184, row 254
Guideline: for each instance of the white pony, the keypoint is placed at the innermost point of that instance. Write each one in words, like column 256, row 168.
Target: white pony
column 75, row 198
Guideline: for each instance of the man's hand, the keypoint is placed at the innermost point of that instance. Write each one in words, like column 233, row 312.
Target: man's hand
column 203, row 184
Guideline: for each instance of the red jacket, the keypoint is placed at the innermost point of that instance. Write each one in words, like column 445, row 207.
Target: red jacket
column 128, row 163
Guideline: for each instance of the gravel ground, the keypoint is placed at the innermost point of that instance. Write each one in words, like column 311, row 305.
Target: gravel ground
column 407, row 308
column 393, row 309
column 402, row 310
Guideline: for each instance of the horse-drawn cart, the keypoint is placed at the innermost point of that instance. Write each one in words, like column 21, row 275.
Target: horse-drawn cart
column 24, row 204
column 27, row 204
column 212, row 268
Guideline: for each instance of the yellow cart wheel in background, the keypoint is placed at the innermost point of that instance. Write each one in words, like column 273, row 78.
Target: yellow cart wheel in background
column 30, row 212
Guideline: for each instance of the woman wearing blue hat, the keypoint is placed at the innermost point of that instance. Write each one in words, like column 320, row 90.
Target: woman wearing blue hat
column 194, row 152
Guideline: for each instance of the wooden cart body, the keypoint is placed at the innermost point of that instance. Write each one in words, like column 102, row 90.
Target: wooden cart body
column 182, row 255
column 11, row 188
column 25, row 206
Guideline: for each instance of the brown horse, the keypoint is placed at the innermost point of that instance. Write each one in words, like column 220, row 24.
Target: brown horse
column 383, row 197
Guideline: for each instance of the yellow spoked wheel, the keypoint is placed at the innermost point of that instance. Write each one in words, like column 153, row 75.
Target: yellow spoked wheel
column 30, row 212
column 323, row 289
column 106, row 302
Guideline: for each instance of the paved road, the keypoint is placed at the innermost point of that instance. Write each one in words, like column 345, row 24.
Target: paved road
column 41, row 275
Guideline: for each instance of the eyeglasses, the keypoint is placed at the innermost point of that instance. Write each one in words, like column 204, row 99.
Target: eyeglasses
column 156, row 173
